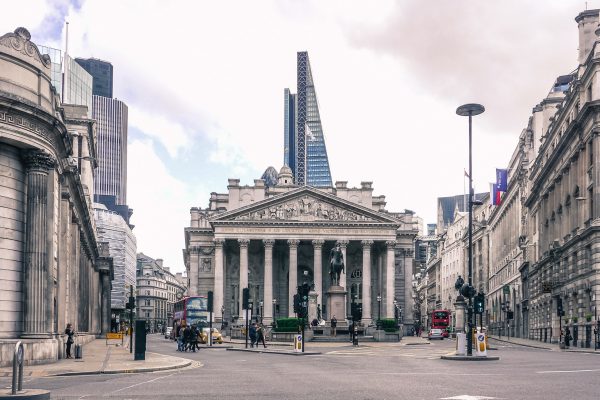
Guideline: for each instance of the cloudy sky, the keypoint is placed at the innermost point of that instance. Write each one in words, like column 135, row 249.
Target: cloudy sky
column 204, row 84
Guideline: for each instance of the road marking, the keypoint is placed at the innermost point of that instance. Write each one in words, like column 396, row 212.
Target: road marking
column 566, row 372
column 142, row 383
column 467, row 397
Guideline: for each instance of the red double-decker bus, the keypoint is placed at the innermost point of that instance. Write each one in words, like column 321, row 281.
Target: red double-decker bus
column 441, row 319
column 192, row 310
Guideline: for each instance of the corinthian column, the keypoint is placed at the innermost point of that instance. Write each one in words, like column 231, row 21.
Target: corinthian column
column 243, row 265
column 318, row 267
column 268, row 285
column 293, row 275
column 194, row 268
column 219, row 274
column 343, row 245
column 38, row 304
column 390, row 278
column 366, row 280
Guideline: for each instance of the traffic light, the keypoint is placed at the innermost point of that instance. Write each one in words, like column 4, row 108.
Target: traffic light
column 210, row 301
column 245, row 298
column 356, row 311
column 131, row 303
column 479, row 304
column 297, row 304
column 510, row 314
column 559, row 307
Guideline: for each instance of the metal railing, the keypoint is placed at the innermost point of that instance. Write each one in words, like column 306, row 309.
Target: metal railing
column 17, row 378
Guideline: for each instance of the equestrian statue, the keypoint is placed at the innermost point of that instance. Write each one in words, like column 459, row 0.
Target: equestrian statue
column 336, row 265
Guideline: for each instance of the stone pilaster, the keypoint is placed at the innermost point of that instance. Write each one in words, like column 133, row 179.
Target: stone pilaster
column 219, row 294
column 243, row 265
column 366, row 280
column 268, row 285
column 38, row 281
column 194, row 268
column 318, row 267
column 390, row 276
column 105, row 309
column 293, row 275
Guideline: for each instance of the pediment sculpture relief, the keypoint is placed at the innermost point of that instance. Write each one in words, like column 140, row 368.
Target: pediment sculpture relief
column 306, row 208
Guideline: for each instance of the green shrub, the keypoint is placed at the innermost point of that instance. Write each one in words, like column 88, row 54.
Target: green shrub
column 388, row 325
column 287, row 325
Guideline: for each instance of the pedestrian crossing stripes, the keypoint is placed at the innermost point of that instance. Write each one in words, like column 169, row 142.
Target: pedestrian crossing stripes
column 425, row 353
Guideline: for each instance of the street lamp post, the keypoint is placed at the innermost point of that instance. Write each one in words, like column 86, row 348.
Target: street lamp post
column 396, row 312
column 470, row 110
column 222, row 317
column 274, row 306
column 260, row 303
column 379, row 311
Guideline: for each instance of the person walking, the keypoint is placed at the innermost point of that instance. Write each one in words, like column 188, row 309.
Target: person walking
column 69, row 332
column 253, row 335
column 186, row 338
column 568, row 338
column 260, row 334
column 333, row 325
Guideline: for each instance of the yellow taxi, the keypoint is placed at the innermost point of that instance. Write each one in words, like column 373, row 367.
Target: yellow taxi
column 216, row 336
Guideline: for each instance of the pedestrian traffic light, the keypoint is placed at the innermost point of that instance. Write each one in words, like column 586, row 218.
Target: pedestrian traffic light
column 479, row 304
column 559, row 307
column 210, row 301
column 356, row 311
column 245, row 298
column 131, row 303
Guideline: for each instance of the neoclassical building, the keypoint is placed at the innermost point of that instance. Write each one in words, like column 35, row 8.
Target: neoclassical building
column 53, row 271
column 273, row 238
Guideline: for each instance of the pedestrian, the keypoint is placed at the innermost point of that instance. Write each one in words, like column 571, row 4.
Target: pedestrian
column 333, row 325
column 186, row 338
column 180, row 342
column 194, row 333
column 253, row 335
column 260, row 334
column 568, row 337
column 69, row 332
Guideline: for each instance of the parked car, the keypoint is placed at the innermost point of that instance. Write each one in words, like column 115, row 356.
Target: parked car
column 168, row 332
column 216, row 336
column 436, row 333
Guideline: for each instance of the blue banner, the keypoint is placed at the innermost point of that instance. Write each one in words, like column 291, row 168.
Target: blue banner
column 502, row 179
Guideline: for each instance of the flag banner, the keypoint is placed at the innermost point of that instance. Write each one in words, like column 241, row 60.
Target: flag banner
column 502, row 179
column 495, row 194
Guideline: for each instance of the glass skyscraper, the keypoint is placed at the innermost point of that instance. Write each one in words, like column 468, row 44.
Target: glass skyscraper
column 102, row 71
column 304, row 143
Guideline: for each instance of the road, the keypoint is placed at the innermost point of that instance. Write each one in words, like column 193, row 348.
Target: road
column 371, row 371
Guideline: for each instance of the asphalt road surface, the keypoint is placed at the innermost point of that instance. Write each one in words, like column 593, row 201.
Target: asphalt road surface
column 371, row 371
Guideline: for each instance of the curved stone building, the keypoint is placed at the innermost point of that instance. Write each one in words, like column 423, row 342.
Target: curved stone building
column 52, row 272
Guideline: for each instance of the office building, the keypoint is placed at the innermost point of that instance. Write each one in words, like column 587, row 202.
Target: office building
column 102, row 72
column 304, row 143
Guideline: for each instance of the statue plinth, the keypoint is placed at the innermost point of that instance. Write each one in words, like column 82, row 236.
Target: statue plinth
column 336, row 303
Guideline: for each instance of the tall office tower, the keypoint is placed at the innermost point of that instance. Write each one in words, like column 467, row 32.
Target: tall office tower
column 111, row 126
column 102, row 72
column 304, row 144
column 72, row 82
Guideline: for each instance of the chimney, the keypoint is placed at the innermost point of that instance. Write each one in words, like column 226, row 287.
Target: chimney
column 587, row 22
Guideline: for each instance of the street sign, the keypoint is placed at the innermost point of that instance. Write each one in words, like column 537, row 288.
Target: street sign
column 506, row 289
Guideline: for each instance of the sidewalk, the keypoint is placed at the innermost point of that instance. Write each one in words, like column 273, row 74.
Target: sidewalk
column 541, row 345
column 98, row 358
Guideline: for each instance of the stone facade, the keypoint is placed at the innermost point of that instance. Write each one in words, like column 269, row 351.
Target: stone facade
column 157, row 292
column 272, row 239
column 53, row 271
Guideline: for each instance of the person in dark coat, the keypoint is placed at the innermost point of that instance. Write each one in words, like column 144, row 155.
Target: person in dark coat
column 253, row 335
column 69, row 332
column 568, row 337
column 333, row 326
column 186, row 338
column 260, row 335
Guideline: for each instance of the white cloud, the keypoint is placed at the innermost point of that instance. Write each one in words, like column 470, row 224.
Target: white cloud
column 161, row 204
column 172, row 135
column 389, row 78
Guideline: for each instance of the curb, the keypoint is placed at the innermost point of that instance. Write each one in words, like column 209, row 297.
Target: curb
column 469, row 358
column 125, row 371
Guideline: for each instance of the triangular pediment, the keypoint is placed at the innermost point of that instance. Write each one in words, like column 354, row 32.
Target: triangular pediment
column 306, row 204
